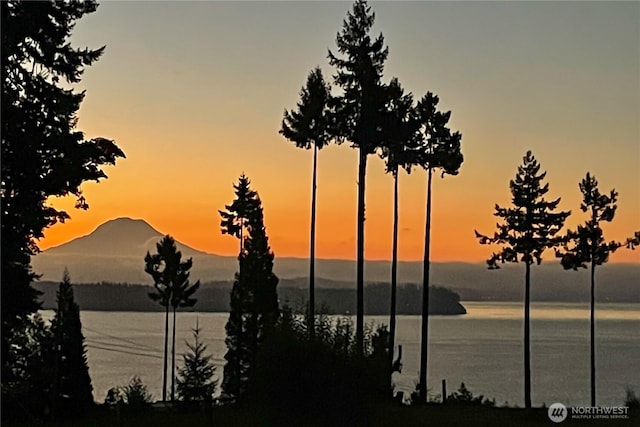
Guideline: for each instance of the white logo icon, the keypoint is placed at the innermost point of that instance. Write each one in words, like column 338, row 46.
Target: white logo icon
column 557, row 412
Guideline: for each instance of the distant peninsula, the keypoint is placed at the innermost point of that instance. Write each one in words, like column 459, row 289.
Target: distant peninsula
column 214, row 297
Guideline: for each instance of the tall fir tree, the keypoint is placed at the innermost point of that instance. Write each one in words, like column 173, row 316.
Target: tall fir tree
column 440, row 151
column 182, row 292
column 172, row 289
column 528, row 229
column 586, row 246
column 161, row 295
column 254, row 301
column 72, row 389
column 358, row 114
column 310, row 127
column 401, row 150
column 195, row 377
column 234, row 222
column 43, row 154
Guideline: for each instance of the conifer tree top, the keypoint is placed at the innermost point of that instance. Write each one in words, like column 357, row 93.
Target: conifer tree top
column 401, row 145
column 531, row 225
column 236, row 215
column 586, row 244
column 440, row 147
column 310, row 124
column 358, row 112
column 355, row 43
column 170, row 275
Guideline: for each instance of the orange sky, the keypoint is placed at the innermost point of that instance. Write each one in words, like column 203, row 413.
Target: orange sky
column 196, row 106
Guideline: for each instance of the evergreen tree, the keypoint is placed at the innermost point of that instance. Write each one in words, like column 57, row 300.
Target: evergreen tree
column 358, row 114
column 181, row 296
column 195, row 378
column 234, row 222
column 43, row 154
column 586, row 245
column 254, row 301
column 527, row 230
column 310, row 126
column 441, row 150
column 260, row 276
column 161, row 295
column 135, row 393
column 171, row 279
column 26, row 385
column 400, row 149
column 72, row 384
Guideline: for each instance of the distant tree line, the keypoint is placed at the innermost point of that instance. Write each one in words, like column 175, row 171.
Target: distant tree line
column 215, row 298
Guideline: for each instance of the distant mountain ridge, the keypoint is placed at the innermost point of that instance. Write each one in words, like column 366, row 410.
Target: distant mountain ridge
column 114, row 253
column 119, row 237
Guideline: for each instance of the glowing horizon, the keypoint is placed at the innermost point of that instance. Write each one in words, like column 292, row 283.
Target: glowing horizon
column 195, row 107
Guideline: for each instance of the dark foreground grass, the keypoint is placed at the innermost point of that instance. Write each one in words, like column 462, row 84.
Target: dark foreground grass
column 385, row 414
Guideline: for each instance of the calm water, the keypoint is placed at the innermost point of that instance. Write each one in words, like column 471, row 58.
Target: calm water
column 482, row 348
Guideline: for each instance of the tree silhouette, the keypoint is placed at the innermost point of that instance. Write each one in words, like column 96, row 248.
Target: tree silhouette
column 441, row 150
column 254, row 301
column 135, row 393
column 400, row 149
column 27, row 384
column 162, row 296
column 181, row 296
column 195, row 378
column 358, row 113
column 527, row 230
column 234, row 222
column 43, row 154
column 72, row 384
column 171, row 279
column 587, row 245
column 236, row 216
column 308, row 127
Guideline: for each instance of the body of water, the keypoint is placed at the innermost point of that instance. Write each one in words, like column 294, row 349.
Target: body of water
column 483, row 349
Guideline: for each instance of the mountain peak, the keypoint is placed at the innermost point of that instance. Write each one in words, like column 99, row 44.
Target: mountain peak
column 126, row 224
column 119, row 237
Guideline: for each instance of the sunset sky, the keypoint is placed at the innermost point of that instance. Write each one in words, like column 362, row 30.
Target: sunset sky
column 194, row 93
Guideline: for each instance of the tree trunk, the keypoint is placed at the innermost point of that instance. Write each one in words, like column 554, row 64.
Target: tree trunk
column 593, row 332
column 594, row 242
column 56, row 367
column 527, row 338
column 425, row 294
column 312, row 250
column 166, row 348
column 362, row 173
column 394, row 274
column 173, row 356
